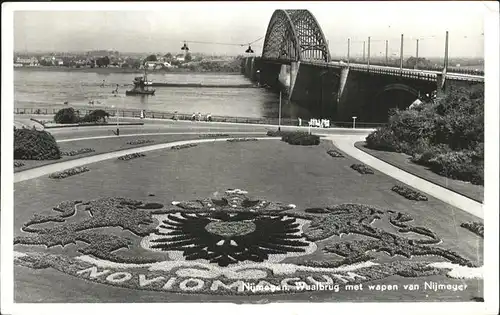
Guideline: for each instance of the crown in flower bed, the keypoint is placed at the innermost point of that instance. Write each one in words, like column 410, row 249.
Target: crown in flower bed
column 362, row 169
column 131, row 156
column 335, row 153
column 77, row 152
column 409, row 193
column 213, row 135
column 140, row 141
column 183, row 146
column 18, row 164
column 475, row 227
column 69, row 172
column 241, row 139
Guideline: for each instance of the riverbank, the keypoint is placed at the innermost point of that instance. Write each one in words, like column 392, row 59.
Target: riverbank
column 117, row 70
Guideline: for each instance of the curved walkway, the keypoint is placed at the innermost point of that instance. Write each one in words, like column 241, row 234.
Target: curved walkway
column 346, row 144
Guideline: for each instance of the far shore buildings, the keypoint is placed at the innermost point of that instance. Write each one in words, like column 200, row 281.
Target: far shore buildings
column 26, row 62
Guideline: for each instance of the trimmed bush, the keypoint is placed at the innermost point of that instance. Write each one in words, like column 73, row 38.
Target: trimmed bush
column 335, row 154
column 362, row 169
column 382, row 139
column 409, row 193
column 295, row 137
column 77, row 152
column 66, row 116
column 96, row 116
column 31, row 144
column 69, row 172
column 131, row 156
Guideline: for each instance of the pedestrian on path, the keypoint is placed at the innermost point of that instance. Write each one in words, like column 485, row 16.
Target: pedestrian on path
column 300, row 122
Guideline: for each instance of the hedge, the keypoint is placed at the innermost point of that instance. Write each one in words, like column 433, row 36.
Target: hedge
column 295, row 137
column 32, row 144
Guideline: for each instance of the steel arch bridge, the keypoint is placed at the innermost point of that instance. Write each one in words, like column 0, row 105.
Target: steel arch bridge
column 295, row 35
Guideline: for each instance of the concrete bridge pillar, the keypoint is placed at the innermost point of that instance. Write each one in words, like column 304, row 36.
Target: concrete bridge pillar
column 294, row 70
column 284, row 76
column 344, row 73
column 440, row 84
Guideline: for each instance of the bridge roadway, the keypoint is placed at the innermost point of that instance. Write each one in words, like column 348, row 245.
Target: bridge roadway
column 396, row 70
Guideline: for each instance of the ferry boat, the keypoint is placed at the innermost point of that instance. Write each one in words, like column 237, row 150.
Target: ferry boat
column 141, row 86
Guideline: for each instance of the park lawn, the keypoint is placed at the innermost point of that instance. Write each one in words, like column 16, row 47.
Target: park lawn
column 115, row 144
column 269, row 169
column 403, row 162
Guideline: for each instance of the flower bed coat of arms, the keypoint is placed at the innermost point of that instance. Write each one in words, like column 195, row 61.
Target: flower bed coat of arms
column 235, row 245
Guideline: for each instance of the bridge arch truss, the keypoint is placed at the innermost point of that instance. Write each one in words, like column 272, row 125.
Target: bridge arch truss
column 295, row 35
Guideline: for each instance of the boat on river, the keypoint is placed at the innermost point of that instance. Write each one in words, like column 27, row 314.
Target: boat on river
column 141, row 86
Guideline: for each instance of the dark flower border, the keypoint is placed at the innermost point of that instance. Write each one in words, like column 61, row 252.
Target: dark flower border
column 241, row 139
column 77, row 152
column 335, row 153
column 362, row 169
column 140, row 141
column 475, row 227
column 409, row 193
column 69, row 172
column 131, row 156
column 183, row 146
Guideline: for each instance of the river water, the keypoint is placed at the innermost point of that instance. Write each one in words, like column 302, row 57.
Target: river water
column 45, row 89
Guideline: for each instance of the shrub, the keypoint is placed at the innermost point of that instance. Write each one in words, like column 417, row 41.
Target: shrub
column 382, row 139
column 69, row 172
column 447, row 135
column 335, row 153
column 131, row 156
column 459, row 165
column 362, row 169
column 409, row 193
column 77, row 152
column 295, row 137
column 66, row 116
column 95, row 116
column 31, row 144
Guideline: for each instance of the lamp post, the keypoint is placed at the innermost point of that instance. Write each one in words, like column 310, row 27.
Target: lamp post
column 354, row 122
column 279, row 115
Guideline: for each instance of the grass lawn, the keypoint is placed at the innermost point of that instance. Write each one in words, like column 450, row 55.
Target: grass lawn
column 114, row 144
column 403, row 162
column 269, row 170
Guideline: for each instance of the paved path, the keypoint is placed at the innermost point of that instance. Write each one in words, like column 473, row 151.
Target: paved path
column 346, row 144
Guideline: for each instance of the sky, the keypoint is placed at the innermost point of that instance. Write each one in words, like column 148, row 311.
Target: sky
column 162, row 27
